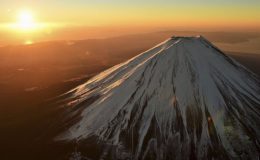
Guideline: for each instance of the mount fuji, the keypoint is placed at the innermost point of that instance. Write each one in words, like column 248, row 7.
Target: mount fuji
column 182, row 99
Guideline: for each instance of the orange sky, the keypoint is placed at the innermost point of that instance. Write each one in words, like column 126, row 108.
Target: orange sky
column 81, row 19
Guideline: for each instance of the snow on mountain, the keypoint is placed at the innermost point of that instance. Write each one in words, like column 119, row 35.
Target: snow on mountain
column 183, row 99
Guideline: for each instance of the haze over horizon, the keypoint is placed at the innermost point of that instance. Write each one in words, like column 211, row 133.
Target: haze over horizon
column 29, row 21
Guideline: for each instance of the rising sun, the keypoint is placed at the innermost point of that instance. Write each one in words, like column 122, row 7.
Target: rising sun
column 26, row 26
column 26, row 21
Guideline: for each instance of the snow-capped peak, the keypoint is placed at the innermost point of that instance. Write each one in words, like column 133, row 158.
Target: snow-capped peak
column 182, row 99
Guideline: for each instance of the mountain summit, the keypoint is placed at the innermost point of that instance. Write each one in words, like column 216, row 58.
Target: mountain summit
column 183, row 99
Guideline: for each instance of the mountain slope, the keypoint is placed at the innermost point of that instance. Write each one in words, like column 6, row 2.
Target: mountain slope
column 183, row 99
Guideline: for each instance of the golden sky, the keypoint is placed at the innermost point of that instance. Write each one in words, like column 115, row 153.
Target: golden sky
column 48, row 19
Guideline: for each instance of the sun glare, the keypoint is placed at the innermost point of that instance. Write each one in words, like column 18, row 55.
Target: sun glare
column 25, row 20
column 27, row 27
column 28, row 42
